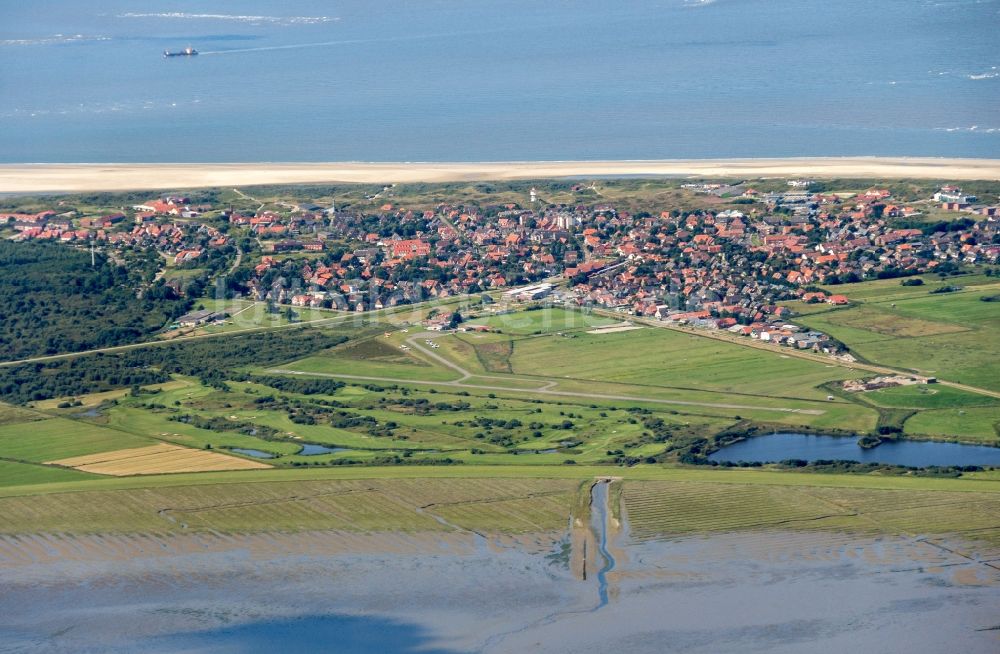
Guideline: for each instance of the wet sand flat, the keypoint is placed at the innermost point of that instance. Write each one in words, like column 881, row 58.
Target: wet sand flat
column 36, row 178
column 768, row 591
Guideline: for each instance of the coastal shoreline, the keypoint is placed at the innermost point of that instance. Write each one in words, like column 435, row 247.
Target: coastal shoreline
column 54, row 178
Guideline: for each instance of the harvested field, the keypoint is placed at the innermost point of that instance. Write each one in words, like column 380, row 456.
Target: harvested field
column 156, row 459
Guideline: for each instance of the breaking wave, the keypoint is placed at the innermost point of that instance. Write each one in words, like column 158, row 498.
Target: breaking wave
column 240, row 18
column 973, row 128
column 55, row 38
column 114, row 107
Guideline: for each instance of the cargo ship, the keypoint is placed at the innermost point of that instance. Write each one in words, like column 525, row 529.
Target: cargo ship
column 186, row 52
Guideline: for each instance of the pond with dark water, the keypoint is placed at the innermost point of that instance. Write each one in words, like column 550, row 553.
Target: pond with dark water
column 257, row 454
column 771, row 448
column 310, row 449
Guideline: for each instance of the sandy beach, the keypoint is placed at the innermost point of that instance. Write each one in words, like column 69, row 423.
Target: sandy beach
column 38, row 178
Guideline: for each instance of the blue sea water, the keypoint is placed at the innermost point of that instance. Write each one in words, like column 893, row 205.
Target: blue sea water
column 407, row 80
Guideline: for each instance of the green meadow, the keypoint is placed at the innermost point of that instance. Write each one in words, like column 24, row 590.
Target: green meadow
column 659, row 502
column 545, row 405
column 949, row 335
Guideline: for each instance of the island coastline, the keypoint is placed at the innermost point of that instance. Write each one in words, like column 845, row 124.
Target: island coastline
column 81, row 177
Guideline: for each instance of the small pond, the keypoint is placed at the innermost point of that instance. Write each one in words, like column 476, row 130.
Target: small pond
column 916, row 454
column 309, row 449
column 254, row 453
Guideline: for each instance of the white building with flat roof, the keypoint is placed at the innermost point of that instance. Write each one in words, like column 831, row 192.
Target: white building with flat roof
column 527, row 293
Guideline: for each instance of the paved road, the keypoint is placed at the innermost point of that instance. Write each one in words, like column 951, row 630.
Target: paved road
column 448, row 363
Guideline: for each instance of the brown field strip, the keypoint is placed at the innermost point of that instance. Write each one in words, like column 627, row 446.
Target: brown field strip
column 157, row 459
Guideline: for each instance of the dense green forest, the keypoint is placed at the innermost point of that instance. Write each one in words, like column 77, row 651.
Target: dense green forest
column 53, row 301
column 213, row 360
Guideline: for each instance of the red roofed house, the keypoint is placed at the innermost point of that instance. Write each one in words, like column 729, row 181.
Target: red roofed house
column 409, row 249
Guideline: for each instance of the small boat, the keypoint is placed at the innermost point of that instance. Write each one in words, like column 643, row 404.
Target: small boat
column 186, row 52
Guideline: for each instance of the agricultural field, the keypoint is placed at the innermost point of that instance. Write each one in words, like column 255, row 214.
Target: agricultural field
column 59, row 438
column 488, row 505
column 656, row 503
column 670, row 509
column 950, row 335
column 156, row 459
column 16, row 473
column 13, row 415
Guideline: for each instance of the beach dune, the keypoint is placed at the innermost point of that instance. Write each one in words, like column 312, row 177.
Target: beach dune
column 40, row 178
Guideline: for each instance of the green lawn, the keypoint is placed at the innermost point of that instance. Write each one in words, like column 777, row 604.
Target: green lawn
column 891, row 290
column 954, row 336
column 662, row 357
column 543, row 321
column 972, row 423
column 374, row 356
column 59, row 438
column 24, row 474
column 928, row 396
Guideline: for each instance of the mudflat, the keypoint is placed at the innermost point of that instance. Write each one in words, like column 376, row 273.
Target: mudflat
column 770, row 591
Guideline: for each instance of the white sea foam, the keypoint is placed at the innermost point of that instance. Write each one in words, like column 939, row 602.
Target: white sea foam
column 972, row 128
column 55, row 38
column 240, row 18
column 126, row 106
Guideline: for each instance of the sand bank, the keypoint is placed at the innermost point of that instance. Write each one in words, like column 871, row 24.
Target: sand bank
column 35, row 178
